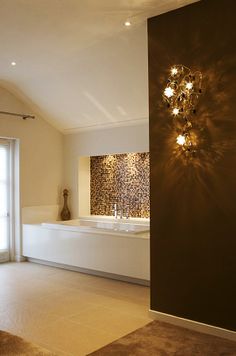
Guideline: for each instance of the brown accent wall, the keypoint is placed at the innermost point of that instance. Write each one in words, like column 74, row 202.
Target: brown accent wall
column 193, row 202
column 121, row 179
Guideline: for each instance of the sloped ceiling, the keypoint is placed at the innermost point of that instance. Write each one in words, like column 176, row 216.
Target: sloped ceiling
column 76, row 62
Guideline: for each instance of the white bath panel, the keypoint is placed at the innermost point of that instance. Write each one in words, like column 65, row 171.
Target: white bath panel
column 123, row 254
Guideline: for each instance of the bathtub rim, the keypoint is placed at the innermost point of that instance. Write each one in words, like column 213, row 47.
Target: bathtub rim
column 63, row 225
column 90, row 231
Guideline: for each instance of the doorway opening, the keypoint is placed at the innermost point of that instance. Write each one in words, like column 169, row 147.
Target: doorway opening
column 4, row 200
column 8, row 208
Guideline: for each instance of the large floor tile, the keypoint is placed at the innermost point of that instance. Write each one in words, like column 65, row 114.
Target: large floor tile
column 109, row 320
column 69, row 313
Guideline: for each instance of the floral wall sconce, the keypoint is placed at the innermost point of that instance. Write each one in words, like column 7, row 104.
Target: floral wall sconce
column 181, row 94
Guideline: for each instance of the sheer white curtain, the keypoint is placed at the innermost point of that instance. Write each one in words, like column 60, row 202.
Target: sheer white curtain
column 4, row 196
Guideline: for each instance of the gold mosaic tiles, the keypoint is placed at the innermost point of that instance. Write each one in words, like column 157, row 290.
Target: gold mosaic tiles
column 121, row 179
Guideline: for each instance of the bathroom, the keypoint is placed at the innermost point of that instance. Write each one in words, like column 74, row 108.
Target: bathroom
column 192, row 204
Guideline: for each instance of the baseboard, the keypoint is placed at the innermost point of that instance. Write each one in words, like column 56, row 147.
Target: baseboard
column 118, row 277
column 194, row 325
column 19, row 258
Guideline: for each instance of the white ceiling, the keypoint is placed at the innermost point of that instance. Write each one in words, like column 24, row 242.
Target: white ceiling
column 76, row 63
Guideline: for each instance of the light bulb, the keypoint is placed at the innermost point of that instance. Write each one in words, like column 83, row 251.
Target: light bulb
column 169, row 92
column 174, row 71
column 175, row 111
column 127, row 23
column 189, row 85
column 181, row 140
column 13, row 63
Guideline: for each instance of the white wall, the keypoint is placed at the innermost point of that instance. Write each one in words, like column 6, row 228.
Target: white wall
column 84, row 186
column 41, row 153
column 99, row 142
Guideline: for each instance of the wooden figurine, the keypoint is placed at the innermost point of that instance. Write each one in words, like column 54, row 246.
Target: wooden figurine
column 65, row 213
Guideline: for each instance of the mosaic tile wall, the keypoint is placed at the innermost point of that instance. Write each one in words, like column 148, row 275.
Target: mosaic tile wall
column 121, row 179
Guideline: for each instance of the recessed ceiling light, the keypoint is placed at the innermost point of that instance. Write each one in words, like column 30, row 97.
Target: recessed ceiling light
column 127, row 23
column 13, row 63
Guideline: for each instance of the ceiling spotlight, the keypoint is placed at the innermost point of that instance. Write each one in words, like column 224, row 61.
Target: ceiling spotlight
column 13, row 63
column 127, row 23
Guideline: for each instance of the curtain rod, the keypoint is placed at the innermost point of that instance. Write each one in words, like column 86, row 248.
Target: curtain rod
column 23, row 116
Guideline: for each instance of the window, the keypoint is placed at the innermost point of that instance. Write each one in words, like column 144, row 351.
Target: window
column 4, row 199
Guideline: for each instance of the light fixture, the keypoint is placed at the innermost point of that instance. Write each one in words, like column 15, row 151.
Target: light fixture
column 187, row 143
column 183, row 90
column 169, row 92
column 189, row 85
column 181, row 140
column 127, row 23
column 175, row 111
column 181, row 95
column 174, row 71
column 13, row 63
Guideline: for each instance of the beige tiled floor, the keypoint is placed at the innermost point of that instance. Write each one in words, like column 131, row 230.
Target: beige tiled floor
column 68, row 312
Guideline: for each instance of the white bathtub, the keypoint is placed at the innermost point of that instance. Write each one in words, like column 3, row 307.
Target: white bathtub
column 100, row 245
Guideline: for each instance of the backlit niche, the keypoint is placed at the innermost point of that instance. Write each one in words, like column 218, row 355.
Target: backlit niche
column 121, row 179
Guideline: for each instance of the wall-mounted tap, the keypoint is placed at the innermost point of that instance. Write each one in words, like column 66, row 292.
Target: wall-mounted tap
column 115, row 211
column 127, row 213
column 120, row 212
column 124, row 213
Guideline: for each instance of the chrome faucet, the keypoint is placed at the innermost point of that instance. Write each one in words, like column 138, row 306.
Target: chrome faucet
column 127, row 213
column 120, row 212
column 115, row 211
